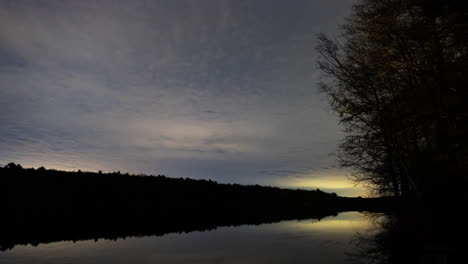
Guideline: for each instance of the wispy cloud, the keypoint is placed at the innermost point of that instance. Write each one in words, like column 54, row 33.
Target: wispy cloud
column 213, row 89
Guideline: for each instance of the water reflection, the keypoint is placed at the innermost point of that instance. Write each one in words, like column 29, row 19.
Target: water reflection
column 297, row 241
column 412, row 237
column 350, row 237
column 345, row 222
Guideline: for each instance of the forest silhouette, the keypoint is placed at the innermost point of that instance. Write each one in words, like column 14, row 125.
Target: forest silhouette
column 396, row 77
column 44, row 205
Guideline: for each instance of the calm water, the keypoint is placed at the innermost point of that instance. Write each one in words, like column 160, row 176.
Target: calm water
column 304, row 241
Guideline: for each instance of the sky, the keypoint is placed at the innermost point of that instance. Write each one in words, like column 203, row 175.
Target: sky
column 210, row 89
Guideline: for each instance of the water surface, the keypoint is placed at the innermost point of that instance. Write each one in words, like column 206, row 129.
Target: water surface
column 297, row 241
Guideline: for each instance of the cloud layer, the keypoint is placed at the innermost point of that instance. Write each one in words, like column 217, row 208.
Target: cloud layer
column 224, row 90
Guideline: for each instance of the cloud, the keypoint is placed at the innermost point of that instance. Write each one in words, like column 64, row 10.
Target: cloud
column 214, row 89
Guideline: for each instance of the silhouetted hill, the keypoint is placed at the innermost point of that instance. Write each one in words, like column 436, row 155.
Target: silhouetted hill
column 41, row 205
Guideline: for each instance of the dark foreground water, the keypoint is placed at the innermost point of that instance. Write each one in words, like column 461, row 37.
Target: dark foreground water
column 329, row 240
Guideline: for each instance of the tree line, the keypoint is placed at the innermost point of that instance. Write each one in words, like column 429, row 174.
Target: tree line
column 44, row 205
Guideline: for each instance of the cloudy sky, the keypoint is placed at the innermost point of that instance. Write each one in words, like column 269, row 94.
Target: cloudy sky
column 214, row 89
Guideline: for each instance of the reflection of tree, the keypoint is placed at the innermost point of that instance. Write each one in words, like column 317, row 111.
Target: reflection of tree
column 410, row 238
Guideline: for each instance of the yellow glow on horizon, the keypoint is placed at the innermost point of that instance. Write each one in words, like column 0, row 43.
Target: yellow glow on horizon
column 335, row 181
column 323, row 182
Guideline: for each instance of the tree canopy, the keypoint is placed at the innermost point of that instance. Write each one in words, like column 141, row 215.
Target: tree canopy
column 397, row 77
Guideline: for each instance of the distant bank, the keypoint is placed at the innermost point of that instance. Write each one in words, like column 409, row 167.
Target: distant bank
column 41, row 205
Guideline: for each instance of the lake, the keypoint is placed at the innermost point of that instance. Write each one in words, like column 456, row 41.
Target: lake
column 328, row 240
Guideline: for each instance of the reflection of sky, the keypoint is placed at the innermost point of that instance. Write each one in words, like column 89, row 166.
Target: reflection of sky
column 349, row 222
column 305, row 241
column 219, row 89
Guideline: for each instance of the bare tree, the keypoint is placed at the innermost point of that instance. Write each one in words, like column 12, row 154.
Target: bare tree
column 397, row 78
